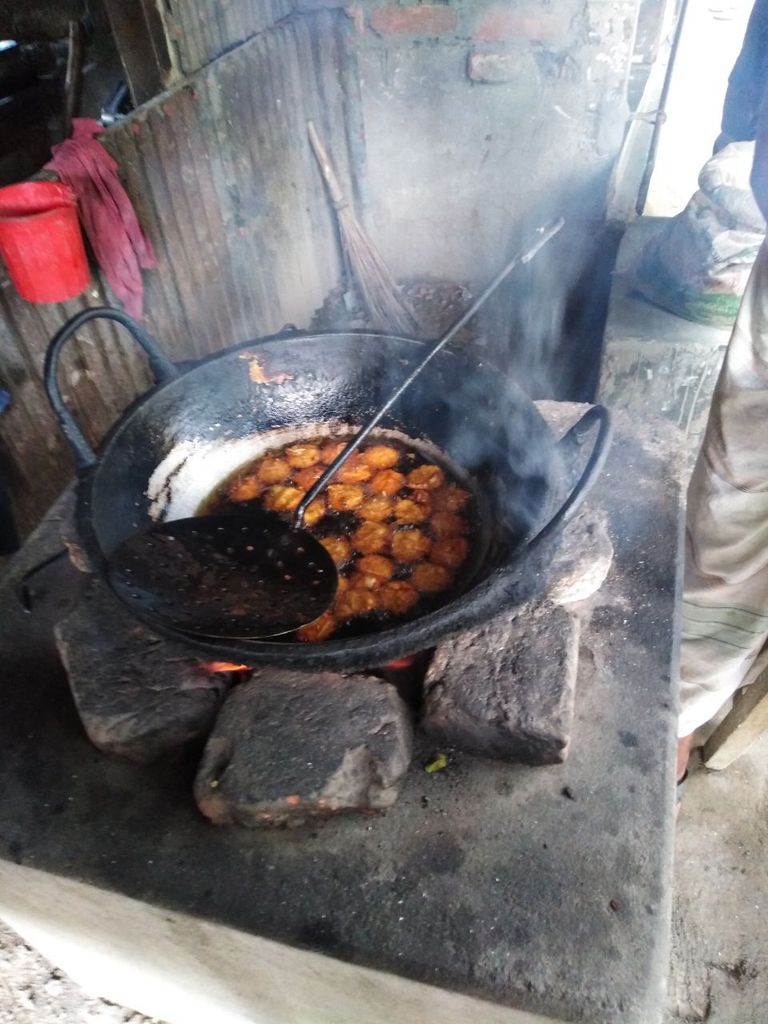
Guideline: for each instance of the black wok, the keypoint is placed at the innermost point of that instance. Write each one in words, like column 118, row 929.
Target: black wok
column 176, row 443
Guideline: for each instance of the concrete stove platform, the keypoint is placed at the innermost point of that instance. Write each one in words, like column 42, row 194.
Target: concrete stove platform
column 489, row 892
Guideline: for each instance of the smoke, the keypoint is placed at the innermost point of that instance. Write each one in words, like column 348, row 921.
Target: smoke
column 539, row 336
column 529, row 335
column 544, row 327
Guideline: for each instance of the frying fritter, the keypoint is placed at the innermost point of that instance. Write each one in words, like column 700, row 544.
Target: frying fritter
column 273, row 471
column 338, row 548
column 380, row 456
column 375, row 565
column 345, row 497
column 355, row 601
column 371, row 538
column 354, row 471
column 428, row 578
column 409, row 511
column 305, row 478
column 387, row 481
column 448, row 524
column 450, row 552
column 302, row 455
column 410, row 545
column 318, row 630
column 394, row 525
column 396, row 597
column 450, row 499
column 282, row 499
column 377, row 509
column 330, row 450
column 365, row 581
column 245, row 489
column 429, row 477
column 315, row 511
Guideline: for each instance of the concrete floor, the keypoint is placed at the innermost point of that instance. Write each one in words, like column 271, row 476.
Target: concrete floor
column 719, row 969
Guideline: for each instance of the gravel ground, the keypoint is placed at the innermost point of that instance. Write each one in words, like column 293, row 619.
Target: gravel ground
column 34, row 992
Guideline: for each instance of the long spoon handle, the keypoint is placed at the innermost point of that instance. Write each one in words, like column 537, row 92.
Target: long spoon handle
column 525, row 256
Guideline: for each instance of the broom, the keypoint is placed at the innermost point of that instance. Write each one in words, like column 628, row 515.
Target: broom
column 378, row 291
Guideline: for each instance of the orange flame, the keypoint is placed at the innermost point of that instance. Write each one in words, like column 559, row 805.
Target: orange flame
column 224, row 666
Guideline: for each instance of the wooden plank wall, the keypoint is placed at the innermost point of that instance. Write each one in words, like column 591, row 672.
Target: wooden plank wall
column 203, row 29
column 224, row 182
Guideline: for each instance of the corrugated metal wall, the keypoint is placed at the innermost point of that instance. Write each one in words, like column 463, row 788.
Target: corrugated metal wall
column 225, row 184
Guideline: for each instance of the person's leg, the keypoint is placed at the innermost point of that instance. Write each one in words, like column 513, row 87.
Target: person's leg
column 725, row 595
column 684, row 745
column 747, row 81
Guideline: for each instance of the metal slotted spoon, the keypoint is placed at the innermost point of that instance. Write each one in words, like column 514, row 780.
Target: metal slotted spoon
column 243, row 576
column 252, row 575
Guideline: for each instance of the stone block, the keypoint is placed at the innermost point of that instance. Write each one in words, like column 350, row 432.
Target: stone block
column 288, row 747
column 139, row 696
column 501, row 65
column 70, row 536
column 417, row 19
column 583, row 559
column 560, row 416
column 501, row 24
column 585, row 553
column 507, row 689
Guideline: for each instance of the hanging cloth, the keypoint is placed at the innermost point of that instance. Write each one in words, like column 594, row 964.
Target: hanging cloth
column 120, row 246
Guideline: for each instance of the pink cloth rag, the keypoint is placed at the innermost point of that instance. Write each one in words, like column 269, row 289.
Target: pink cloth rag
column 120, row 246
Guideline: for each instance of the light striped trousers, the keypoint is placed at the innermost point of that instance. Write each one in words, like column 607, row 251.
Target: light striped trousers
column 725, row 598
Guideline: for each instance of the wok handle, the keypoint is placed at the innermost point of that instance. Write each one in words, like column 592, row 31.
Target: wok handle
column 162, row 368
column 602, row 443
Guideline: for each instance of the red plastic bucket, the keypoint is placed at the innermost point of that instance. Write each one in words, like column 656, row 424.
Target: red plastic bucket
column 40, row 241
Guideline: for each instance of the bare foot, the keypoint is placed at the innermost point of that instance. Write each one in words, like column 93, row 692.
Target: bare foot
column 683, row 754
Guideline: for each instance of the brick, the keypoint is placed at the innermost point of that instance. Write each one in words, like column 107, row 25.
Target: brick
column 289, row 747
column 583, row 559
column 139, row 697
column 500, row 24
column 419, row 19
column 585, row 553
column 507, row 689
column 496, row 66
